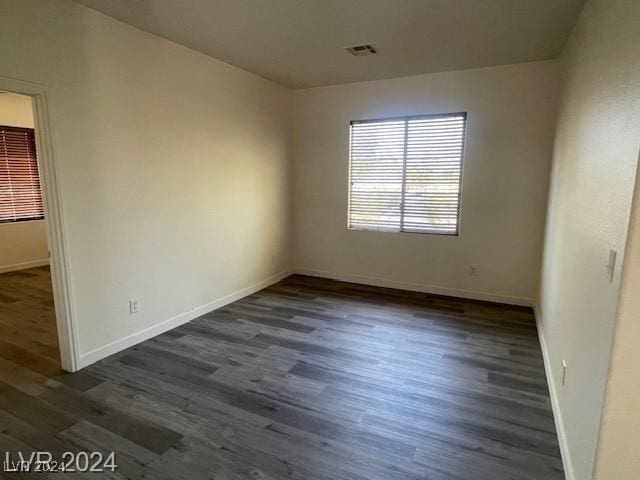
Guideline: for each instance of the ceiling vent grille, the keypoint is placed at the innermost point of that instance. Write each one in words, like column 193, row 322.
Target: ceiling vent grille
column 360, row 50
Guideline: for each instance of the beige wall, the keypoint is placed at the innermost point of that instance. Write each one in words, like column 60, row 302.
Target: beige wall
column 22, row 244
column 173, row 166
column 617, row 456
column 594, row 167
column 511, row 117
column 15, row 110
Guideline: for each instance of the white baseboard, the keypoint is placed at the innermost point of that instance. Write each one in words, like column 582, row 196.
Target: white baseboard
column 567, row 463
column 150, row 332
column 24, row 265
column 419, row 287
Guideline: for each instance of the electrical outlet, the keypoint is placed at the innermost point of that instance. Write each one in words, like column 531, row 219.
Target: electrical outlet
column 473, row 271
column 134, row 305
column 564, row 372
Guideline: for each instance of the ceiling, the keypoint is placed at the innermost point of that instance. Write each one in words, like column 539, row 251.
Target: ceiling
column 300, row 43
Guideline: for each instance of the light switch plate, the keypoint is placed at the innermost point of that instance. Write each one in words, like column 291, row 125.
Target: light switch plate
column 611, row 266
column 134, row 305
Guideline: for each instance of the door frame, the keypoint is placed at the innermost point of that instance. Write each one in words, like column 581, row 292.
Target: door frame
column 55, row 226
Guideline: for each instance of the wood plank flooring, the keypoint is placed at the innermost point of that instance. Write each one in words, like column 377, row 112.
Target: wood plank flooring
column 307, row 379
column 28, row 333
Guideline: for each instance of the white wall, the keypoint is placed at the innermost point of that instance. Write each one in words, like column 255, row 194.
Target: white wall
column 22, row 244
column 173, row 166
column 594, row 166
column 511, row 117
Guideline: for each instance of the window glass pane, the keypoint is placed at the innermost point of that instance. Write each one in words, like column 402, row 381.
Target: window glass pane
column 433, row 168
column 20, row 190
column 377, row 157
column 405, row 174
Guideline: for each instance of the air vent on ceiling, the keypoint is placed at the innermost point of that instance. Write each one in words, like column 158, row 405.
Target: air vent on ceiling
column 359, row 50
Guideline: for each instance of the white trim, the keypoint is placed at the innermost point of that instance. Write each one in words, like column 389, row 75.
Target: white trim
column 24, row 265
column 418, row 287
column 567, row 463
column 173, row 322
column 55, row 225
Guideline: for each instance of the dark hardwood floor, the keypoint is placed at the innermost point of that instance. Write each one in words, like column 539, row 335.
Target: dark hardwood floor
column 28, row 335
column 307, row 379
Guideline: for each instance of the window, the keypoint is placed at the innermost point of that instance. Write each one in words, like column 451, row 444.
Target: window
column 405, row 174
column 20, row 192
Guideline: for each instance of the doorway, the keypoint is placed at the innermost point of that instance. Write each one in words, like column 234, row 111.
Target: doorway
column 37, row 331
column 27, row 316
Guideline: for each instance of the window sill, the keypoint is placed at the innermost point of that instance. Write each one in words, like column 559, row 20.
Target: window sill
column 405, row 232
column 22, row 222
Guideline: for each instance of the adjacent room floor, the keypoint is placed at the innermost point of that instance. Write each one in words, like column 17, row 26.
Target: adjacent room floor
column 28, row 335
column 307, row 379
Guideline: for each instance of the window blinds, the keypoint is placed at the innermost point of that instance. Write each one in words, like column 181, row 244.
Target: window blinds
column 405, row 174
column 20, row 191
